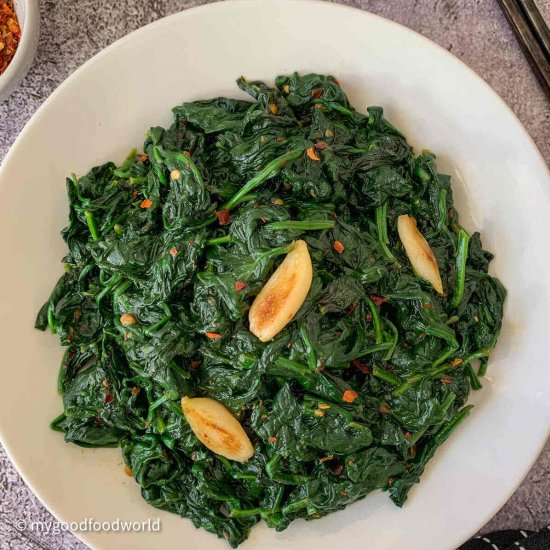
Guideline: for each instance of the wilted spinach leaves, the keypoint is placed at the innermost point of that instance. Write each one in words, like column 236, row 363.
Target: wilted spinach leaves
column 165, row 255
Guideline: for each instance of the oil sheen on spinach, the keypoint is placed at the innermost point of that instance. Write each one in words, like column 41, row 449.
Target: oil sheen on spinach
column 185, row 234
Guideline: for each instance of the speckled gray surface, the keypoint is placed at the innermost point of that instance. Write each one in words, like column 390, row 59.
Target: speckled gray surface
column 474, row 30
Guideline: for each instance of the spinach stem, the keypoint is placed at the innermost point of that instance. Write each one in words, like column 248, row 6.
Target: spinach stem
column 91, row 224
column 128, row 160
column 54, row 424
column 84, row 273
column 383, row 374
column 474, row 380
column 430, row 373
column 236, row 513
column 292, row 365
column 482, row 371
column 375, row 320
column 442, row 210
column 150, row 331
column 337, row 107
column 111, row 283
column 311, row 359
column 447, row 353
column 157, row 155
column 123, row 287
column 295, row 506
column 106, row 228
column 395, row 335
column 305, row 225
column 51, row 319
column 219, row 240
column 270, row 170
column 156, row 162
column 448, row 402
column 446, row 431
column 381, row 215
column 272, row 465
column 246, row 198
column 190, row 164
column 266, row 512
column 383, row 346
column 137, row 181
column 461, row 257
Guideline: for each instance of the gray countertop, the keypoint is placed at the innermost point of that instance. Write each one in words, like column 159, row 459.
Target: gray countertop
column 474, row 30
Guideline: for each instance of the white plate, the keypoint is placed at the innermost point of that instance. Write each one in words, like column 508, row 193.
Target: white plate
column 500, row 180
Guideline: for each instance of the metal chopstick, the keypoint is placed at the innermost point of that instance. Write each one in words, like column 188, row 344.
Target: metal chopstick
column 533, row 37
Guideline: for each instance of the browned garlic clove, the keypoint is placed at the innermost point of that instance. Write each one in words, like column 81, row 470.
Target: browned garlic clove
column 283, row 294
column 217, row 429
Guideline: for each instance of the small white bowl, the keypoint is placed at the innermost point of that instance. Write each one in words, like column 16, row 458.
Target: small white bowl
column 28, row 14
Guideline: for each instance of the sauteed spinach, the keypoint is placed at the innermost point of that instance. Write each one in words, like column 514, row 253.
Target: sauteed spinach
column 165, row 255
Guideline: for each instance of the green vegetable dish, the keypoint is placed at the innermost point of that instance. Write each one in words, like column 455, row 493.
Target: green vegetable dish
column 273, row 310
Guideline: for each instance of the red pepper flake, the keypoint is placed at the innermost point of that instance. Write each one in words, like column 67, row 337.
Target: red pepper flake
column 146, row 203
column 408, row 436
column 427, row 305
column 263, row 219
column 10, row 33
column 456, row 362
column 320, row 145
column 351, row 309
column 361, row 366
column 213, row 335
column 128, row 472
column 377, row 300
column 280, row 139
column 316, row 93
column 446, row 379
column 77, row 314
column 142, row 158
column 173, row 251
column 223, row 217
column 390, row 480
column 312, row 155
column 196, row 364
column 349, row 396
column 384, row 408
column 272, row 439
column 338, row 246
column 135, row 390
column 135, row 193
column 108, row 398
column 239, row 285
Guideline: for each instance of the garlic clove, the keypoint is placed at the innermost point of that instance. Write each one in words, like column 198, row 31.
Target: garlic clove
column 217, row 429
column 419, row 252
column 283, row 294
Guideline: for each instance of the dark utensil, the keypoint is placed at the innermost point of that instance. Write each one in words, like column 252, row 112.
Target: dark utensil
column 533, row 36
